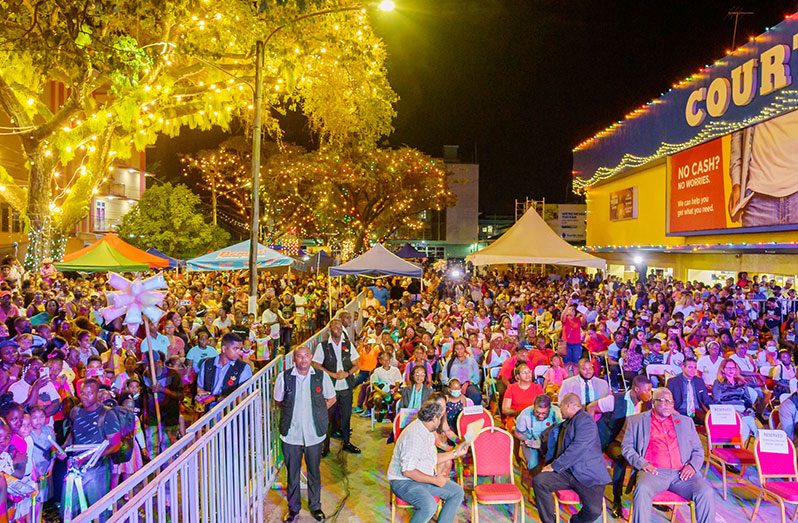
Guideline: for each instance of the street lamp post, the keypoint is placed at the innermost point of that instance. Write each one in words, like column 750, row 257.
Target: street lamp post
column 260, row 46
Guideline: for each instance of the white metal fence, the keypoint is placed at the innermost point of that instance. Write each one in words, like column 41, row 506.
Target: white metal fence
column 221, row 469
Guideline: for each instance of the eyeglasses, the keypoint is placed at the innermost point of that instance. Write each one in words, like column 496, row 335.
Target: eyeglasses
column 664, row 401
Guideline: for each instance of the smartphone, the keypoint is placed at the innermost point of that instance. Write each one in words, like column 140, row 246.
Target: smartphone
column 44, row 372
column 118, row 342
column 94, row 373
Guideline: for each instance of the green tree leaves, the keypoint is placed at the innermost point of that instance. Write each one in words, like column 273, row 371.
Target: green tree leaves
column 171, row 219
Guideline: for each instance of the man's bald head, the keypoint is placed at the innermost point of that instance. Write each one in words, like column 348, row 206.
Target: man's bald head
column 570, row 405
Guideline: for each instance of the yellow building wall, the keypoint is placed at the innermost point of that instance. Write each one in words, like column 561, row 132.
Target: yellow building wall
column 650, row 226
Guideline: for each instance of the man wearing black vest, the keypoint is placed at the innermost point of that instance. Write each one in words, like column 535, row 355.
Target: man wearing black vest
column 304, row 397
column 614, row 410
column 221, row 375
column 337, row 358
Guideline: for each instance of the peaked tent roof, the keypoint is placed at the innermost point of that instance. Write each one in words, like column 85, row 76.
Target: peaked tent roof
column 530, row 240
column 174, row 263
column 408, row 251
column 236, row 257
column 126, row 250
column 320, row 260
column 101, row 257
column 377, row 261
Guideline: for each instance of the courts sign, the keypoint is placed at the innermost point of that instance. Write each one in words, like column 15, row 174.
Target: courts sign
column 753, row 84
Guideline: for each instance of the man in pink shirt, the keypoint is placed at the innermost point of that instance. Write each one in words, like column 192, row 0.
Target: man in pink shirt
column 663, row 446
column 572, row 334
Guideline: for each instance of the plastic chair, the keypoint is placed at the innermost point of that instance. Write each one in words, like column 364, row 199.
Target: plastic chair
column 771, row 465
column 564, row 498
column 623, row 378
column 657, row 369
column 672, row 500
column 774, row 421
column 463, row 420
column 540, row 370
column 724, row 447
column 492, row 453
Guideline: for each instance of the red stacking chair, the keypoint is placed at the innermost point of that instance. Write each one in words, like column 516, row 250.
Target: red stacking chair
column 568, row 498
column 725, row 447
column 771, row 466
column 672, row 500
column 774, row 421
column 492, row 453
column 463, row 420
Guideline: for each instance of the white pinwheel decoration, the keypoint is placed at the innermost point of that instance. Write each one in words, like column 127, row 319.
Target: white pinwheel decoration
column 135, row 299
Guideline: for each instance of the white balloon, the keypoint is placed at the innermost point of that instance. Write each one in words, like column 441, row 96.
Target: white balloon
column 118, row 282
column 133, row 314
column 153, row 313
column 151, row 298
column 154, row 283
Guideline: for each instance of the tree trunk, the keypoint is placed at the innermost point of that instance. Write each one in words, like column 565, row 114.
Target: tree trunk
column 213, row 202
column 40, row 229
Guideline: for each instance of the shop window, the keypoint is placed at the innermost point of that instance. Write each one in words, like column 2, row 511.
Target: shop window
column 5, row 217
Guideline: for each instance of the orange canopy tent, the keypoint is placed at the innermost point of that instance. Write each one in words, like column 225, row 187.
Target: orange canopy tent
column 125, row 249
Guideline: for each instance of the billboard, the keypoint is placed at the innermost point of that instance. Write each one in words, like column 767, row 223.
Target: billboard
column 743, row 182
column 623, row 204
column 753, row 84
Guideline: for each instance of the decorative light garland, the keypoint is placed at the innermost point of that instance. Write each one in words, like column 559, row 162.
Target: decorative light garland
column 755, row 246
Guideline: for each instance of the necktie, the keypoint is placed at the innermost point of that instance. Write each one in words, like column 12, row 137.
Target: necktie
column 587, row 392
column 561, row 437
column 690, row 399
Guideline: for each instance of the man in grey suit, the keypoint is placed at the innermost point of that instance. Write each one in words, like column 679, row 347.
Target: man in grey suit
column 663, row 446
column 587, row 387
column 578, row 465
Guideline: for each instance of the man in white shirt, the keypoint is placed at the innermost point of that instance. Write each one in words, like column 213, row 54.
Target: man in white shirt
column 271, row 319
column 223, row 321
column 414, row 463
column 338, row 359
column 304, row 397
column 764, row 186
column 157, row 341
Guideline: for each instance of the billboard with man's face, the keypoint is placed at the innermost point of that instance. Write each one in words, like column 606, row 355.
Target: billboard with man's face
column 743, row 182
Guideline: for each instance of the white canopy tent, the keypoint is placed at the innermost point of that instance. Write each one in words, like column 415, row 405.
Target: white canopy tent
column 530, row 240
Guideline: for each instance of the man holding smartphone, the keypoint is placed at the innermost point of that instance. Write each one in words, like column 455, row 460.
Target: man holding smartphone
column 36, row 388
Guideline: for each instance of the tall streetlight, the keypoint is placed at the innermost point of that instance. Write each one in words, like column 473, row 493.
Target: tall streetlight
column 260, row 46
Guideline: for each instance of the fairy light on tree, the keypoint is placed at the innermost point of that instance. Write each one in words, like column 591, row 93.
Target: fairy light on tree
column 132, row 75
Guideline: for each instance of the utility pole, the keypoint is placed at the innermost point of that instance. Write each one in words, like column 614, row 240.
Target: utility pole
column 736, row 12
column 256, row 135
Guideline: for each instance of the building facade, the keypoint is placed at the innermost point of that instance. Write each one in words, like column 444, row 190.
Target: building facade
column 701, row 183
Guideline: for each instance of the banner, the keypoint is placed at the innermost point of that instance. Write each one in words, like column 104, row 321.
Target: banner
column 743, row 182
column 623, row 204
column 754, row 83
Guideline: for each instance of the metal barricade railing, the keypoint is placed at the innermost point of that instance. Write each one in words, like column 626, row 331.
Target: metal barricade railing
column 161, row 475
column 218, row 478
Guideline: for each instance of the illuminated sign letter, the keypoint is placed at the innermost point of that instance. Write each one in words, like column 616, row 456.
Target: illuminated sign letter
column 692, row 113
column 718, row 97
column 744, row 82
column 775, row 69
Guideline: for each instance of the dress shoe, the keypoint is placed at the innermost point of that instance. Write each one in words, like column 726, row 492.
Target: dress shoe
column 616, row 510
column 318, row 515
column 336, row 434
column 348, row 447
column 290, row 517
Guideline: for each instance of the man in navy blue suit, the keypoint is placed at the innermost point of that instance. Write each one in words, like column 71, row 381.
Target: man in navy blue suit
column 578, row 466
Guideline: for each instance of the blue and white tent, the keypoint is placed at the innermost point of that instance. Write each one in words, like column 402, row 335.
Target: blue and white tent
column 174, row 263
column 236, row 257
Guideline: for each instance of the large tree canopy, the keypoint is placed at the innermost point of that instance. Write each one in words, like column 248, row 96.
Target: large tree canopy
column 171, row 219
column 133, row 69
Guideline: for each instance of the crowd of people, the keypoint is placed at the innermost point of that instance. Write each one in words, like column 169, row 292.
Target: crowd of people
column 68, row 377
column 588, row 373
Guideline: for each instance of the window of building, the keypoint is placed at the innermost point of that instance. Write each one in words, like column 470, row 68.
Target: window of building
column 5, row 217
column 99, row 215
column 16, row 222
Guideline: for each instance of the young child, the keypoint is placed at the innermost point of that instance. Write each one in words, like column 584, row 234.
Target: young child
column 553, row 378
column 40, row 441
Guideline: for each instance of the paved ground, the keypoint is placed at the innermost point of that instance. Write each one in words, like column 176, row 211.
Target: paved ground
column 355, row 489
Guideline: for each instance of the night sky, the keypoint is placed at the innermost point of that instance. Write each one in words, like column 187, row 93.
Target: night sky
column 520, row 82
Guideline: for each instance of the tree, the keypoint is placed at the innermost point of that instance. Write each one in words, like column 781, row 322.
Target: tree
column 133, row 69
column 170, row 218
column 224, row 175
